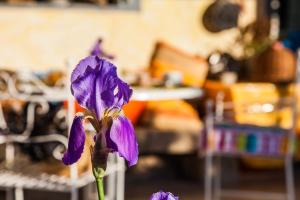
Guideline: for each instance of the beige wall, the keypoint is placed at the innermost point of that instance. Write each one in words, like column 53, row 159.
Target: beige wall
column 43, row 38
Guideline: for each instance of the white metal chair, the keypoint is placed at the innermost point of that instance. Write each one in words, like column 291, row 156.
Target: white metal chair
column 14, row 182
column 220, row 134
column 218, row 120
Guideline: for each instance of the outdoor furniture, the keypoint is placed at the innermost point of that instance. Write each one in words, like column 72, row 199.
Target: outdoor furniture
column 17, row 174
column 224, row 135
column 155, row 140
column 164, row 94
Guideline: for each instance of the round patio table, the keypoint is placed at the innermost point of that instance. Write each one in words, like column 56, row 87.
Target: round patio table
column 147, row 135
column 163, row 93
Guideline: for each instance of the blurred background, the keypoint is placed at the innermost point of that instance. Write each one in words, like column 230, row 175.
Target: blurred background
column 215, row 102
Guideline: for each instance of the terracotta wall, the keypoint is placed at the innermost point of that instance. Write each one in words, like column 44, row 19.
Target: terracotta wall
column 44, row 38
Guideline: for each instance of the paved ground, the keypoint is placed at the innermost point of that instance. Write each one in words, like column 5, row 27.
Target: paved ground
column 173, row 175
column 191, row 188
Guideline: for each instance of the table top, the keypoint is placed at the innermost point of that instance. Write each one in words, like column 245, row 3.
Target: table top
column 139, row 94
column 158, row 94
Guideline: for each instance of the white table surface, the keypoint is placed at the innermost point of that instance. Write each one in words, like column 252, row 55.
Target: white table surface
column 158, row 94
column 139, row 94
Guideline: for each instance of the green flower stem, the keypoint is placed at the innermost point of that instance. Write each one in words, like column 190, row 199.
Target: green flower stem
column 99, row 174
column 100, row 188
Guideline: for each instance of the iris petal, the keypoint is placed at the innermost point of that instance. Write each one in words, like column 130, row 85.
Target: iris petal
column 76, row 142
column 94, row 82
column 163, row 196
column 81, row 92
column 121, row 138
column 124, row 93
column 82, row 66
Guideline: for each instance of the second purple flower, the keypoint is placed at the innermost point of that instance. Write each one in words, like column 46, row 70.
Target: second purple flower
column 161, row 195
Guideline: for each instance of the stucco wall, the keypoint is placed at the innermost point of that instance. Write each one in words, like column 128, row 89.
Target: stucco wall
column 43, row 38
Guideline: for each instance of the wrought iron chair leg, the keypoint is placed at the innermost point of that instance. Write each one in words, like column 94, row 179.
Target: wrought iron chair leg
column 111, row 186
column 217, row 178
column 290, row 187
column 74, row 176
column 208, row 177
column 9, row 194
column 120, row 179
column 19, row 193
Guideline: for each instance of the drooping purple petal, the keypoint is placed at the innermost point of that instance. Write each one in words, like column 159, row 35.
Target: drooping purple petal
column 76, row 142
column 121, row 138
column 161, row 195
column 96, row 86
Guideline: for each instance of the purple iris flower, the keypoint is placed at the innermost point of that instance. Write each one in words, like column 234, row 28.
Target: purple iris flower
column 97, row 50
column 97, row 88
column 161, row 195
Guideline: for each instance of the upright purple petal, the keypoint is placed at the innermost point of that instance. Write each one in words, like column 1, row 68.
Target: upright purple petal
column 82, row 91
column 93, row 83
column 124, row 93
column 88, row 62
column 76, row 142
column 96, row 86
column 121, row 138
column 163, row 196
